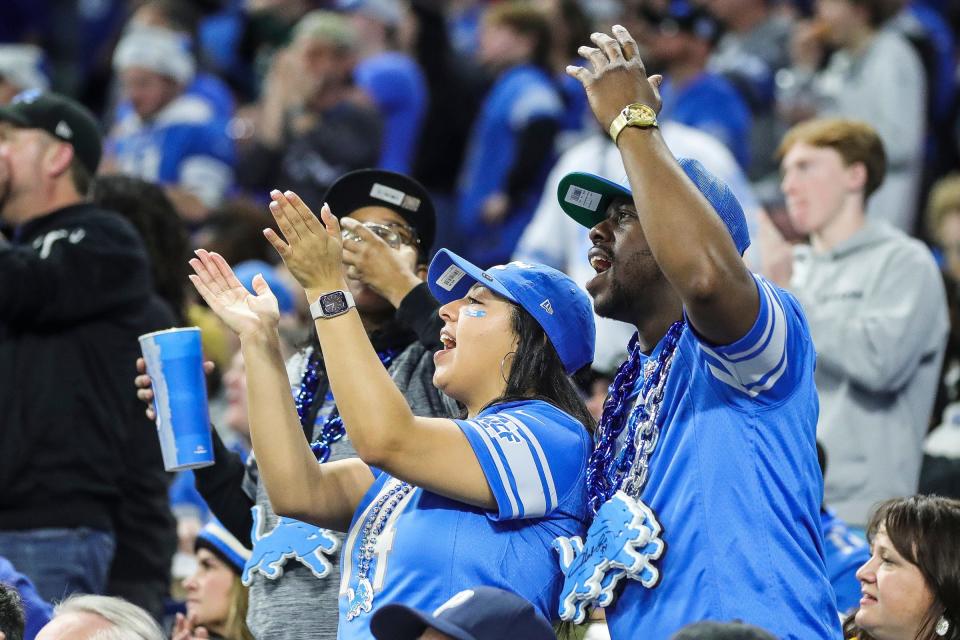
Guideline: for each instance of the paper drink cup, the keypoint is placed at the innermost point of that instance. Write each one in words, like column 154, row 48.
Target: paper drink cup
column 174, row 361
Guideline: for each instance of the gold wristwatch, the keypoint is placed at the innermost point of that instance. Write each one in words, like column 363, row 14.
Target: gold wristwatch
column 633, row 115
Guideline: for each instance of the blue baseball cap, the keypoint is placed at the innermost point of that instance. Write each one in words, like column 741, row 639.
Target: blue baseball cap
column 215, row 538
column 555, row 301
column 481, row 613
column 585, row 198
column 247, row 270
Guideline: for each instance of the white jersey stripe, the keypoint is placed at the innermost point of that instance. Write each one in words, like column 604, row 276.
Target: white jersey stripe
column 499, row 462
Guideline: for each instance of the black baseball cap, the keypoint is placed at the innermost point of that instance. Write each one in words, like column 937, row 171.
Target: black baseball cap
column 395, row 191
column 481, row 613
column 61, row 117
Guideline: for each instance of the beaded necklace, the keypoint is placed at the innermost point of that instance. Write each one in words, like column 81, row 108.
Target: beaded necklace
column 608, row 470
column 332, row 429
column 360, row 599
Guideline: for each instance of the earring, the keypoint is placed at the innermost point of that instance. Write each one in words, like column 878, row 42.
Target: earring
column 943, row 626
column 503, row 361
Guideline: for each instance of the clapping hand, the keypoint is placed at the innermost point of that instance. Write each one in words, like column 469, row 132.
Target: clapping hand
column 618, row 77
column 311, row 249
column 186, row 628
column 245, row 313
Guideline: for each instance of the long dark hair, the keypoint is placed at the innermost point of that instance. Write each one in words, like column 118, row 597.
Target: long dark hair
column 923, row 529
column 538, row 373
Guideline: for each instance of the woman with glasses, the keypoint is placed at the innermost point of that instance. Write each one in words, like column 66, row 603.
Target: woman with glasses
column 297, row 596
column 433, row 506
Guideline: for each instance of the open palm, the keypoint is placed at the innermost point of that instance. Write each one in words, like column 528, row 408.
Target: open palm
column 243, row 312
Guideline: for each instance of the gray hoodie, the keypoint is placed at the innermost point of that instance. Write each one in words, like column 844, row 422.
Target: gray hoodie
column 878, row 316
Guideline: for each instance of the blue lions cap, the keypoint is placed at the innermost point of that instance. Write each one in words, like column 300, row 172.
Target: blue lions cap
column 585, row 198
column 215, row 538
column 481, row 613
column 555, row 301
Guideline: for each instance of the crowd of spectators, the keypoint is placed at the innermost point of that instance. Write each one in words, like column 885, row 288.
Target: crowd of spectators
column 836, row 123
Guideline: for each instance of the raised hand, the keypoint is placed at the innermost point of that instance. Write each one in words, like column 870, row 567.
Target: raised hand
column 618, row 77
column 185, row 628
column 369, row 259
column 310, row 249
column 245, row 313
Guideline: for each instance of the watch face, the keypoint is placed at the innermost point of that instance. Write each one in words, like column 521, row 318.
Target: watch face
column 333, row 303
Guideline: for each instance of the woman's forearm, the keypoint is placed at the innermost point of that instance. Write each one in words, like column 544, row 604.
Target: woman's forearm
column 374, row 412
column 287, row 466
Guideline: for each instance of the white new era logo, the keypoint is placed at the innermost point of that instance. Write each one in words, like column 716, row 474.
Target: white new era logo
column 63, row 130
column 546, row 306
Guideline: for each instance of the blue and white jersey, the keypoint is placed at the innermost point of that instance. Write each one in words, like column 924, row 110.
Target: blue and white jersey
column 845, row 553
column 398, row 88
column 735, row 484
column 534, row 457
column 185, row 145
column 519, row 96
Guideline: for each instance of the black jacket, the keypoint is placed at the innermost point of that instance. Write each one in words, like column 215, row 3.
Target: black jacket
column 74, row 293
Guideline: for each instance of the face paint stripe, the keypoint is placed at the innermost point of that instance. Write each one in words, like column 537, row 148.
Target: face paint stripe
column 474, row 313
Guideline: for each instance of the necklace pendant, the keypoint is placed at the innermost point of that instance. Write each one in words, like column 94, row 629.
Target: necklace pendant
column 623, row 542
column 360, row 599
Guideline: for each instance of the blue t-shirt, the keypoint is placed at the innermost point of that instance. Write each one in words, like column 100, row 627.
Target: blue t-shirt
column 398, row 88
column 845, row 553
column 735, row 484
column 185, row 145
column 519, row 96
column 710, row 103
column 534, row 457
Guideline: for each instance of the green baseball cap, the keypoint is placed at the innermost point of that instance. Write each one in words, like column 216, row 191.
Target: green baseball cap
column 585, row 198
column 61, row 117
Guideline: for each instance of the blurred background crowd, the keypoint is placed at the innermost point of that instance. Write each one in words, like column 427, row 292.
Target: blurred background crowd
column 206, row 105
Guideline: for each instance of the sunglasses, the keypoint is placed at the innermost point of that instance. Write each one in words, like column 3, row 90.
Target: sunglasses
column 394, row 234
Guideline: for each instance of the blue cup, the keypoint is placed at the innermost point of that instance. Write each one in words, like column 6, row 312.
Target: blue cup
column 174, row 361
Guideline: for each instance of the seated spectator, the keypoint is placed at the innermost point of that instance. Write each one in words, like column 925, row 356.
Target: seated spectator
column 875, row 304
column 391, row 80
column 911, row 587
column 93, row 617
column 21, row 69
column 11, row 613
column 873, row 75
column 511, row 144
column 681, row 42
column 309, row 129
column 481, row 613
column 182, row 17
column 749, row 54
column 169, row 137
column 216, row 599
column 34, row 610
column 722, row 631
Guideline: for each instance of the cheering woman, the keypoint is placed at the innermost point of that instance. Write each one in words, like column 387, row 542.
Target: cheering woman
column 433, row 506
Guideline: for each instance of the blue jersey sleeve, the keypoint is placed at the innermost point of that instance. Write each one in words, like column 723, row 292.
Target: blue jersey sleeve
column 767, row 364
column 533, row 456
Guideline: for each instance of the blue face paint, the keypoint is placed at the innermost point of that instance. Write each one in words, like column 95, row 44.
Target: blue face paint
column 474, row 313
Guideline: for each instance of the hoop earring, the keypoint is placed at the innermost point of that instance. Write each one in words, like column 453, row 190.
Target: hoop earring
column 502, row 362
column 943, row 626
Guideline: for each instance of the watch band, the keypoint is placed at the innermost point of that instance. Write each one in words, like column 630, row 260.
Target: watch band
column 332, row 304
column 627, row 119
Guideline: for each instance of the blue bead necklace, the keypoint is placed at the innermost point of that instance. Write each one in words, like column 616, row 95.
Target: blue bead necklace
column 609, row 469
column 332, row 429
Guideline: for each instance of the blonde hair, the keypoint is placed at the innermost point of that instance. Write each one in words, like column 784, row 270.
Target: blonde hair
column 854, row 140
column 235, row 626
column 944, row 200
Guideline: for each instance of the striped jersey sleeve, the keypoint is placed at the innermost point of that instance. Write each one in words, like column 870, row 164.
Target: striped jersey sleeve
column 767, row 363
column 532, row 455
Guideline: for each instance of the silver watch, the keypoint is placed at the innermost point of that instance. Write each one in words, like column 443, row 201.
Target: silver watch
column 332, row 304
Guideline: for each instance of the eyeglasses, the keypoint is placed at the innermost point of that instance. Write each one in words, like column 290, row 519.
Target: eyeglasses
column 394, row 234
